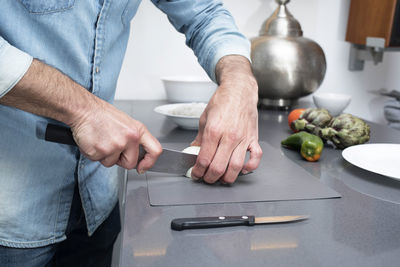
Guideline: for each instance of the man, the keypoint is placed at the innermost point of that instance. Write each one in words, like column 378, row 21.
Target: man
column 59, row 61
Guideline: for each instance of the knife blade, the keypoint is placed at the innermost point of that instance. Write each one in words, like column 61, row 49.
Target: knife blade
column 170, row 161
column 226, row 221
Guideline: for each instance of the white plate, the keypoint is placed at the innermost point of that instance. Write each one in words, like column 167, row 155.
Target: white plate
column 383, row 159
column 177, row 113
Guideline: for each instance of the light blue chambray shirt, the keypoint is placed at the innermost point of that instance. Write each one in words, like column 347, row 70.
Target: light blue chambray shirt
column 86, row 40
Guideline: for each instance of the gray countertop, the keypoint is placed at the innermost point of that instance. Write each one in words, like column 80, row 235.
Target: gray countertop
column 359, row 229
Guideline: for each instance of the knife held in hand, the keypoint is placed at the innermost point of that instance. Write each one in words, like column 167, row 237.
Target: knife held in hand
column 170, row 161
column 225, row 221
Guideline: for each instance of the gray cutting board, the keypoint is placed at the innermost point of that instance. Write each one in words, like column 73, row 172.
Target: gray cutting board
column 277, row 178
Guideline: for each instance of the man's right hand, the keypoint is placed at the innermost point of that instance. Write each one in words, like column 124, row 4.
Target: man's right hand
column 110, row 136
column 102, row 132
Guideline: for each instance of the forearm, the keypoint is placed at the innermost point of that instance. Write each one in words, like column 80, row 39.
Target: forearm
column 102, row 132
column 45, row 91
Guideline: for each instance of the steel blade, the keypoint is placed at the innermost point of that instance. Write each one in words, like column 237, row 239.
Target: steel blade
column 279, row 219
column 172, row 161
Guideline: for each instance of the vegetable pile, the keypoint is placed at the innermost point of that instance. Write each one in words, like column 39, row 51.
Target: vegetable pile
column 343, row 131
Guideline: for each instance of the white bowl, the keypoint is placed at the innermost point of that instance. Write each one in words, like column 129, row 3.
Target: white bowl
column 185, row 115
column 188, row 88
column 335, row 103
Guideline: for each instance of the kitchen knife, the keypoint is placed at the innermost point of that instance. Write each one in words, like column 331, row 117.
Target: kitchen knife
column 170, row 161
column 225, row 221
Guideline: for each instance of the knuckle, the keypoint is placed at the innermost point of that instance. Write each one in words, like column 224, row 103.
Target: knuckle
column 132, row 134
column 118, row 145
column 203, row 162
column 130, row 165
column 140, row 126
column 92, row 154
column 127, row 163
column 209, row 180
column 217, row 171
column 158, row 150
column 229, row 179
column 233, row 136
column 251, row 165
column 106, row 163
column 236, row 167
column 196, row 173
column 258, row 153
column 101, row 150
column 213, row 132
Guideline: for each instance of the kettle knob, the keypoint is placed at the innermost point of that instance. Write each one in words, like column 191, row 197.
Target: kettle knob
column 282, row 2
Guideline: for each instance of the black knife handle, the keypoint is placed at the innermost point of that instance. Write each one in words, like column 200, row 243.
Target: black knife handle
column 211, row 222
column 59, row 134
column 63, row 135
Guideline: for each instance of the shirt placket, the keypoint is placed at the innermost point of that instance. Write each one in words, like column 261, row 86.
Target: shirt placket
column 99, row 45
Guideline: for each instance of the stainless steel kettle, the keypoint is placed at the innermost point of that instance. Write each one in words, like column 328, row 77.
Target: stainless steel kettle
column 287, row 65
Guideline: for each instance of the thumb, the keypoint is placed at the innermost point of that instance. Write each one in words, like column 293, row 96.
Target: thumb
column 153, row 150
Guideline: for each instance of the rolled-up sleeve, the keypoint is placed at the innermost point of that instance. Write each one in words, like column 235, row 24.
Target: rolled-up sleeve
column 209, row 29
column 13, row 65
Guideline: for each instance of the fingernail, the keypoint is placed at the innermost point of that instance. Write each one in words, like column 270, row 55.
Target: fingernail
column 245, row 171
column 195, row 178
column 140, row 171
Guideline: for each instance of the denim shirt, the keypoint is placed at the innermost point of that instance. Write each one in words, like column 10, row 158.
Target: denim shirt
column 86, row 40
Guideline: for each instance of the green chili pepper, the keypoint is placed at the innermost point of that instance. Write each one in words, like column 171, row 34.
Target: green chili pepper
column 310, row 145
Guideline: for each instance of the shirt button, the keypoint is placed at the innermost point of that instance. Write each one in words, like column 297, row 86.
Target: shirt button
column 97, row 70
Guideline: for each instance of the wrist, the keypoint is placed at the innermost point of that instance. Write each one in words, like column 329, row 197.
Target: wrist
column 80, row 107
column 234, row 72
column 228, row 67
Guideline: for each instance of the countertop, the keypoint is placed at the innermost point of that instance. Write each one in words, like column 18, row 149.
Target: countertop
column 359, row 229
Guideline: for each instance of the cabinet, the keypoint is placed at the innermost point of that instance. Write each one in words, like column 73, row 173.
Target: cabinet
column 373, row 27
column 374, row 18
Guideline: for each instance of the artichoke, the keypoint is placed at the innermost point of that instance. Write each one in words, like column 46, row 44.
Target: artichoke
column 346, row 130
column 312, row 120
column 343, row 131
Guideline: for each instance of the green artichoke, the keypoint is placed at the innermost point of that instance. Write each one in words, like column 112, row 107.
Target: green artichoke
column 346, row 130
column 312, row 120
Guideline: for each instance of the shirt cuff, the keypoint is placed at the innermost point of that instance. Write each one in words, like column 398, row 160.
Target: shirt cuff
column 225, row 48
column 13, row 65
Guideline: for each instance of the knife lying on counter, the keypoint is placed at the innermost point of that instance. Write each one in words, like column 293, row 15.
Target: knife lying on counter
column 170, row 161
column 226, row 221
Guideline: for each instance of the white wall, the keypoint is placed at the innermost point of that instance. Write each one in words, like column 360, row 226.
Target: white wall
column 156, row 49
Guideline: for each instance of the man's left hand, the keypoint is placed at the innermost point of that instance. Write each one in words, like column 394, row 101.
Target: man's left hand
column 229, row 125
